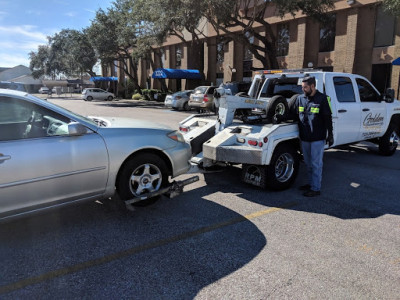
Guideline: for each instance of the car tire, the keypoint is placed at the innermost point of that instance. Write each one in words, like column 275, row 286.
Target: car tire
column 277, row 105
column 282, row 171
column 186, row 106
column 89, row 98
column 141, row 174
column 389, row 141
column 110, row 98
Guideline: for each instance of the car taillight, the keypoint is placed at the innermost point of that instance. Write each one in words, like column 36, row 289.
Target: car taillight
column 183, row 129
column 178, row 97
column 205, row 98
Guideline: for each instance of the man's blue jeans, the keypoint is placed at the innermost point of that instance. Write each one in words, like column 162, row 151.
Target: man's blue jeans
column 313, row 153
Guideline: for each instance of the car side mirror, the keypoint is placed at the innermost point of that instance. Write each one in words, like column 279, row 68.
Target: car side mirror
column 76, row 128
column 389, row 95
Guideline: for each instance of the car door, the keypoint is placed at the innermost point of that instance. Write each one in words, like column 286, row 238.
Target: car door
column 41, row 164
column 346, row 112
column 373, row 111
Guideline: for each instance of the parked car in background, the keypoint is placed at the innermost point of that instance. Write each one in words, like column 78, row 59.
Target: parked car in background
column 61, row 157
column 90, row 94
column 44, row 90
column 202, row 98
column 178, row 100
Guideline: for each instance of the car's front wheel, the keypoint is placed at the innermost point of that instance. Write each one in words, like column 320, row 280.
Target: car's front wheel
column 110, row 98
column 89, row 98
column 142, row 174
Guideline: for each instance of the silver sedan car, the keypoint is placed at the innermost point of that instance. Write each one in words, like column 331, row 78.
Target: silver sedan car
column 178, row 100
column 50, row 156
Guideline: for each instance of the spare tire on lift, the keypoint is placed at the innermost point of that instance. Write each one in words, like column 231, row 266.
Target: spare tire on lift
column 277, row 105
column 292, row 103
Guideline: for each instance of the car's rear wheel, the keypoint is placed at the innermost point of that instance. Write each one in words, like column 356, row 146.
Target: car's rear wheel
column 186, row 106
column 110, row 98
column 142, row 174
column 389, row 141
column 89, row 98
column 283, row 168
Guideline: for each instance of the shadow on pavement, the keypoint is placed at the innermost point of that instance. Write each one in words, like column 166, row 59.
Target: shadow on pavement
column 353, row 185
column 170, row 250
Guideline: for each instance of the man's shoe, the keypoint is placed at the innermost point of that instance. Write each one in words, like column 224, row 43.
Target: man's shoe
column 312, row 193
column 305, row 187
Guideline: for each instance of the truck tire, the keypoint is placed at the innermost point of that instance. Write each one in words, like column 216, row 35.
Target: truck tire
column 283, row 168
column 141, row 174
column 277, row 105
column 292, row 103
column 389, row 141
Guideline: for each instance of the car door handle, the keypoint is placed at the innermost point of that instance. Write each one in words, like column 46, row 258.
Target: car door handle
column 4, row 157
column 342, row 110
column 365, row 109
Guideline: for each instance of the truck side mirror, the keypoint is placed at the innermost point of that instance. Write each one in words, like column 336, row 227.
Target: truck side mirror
column 389, row 95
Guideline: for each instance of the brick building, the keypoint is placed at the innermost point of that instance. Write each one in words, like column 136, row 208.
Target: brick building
column 361, row 38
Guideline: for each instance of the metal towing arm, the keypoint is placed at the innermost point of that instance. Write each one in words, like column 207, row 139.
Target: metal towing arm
column 267, row 152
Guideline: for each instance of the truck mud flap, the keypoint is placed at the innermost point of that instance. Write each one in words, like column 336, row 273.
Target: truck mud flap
column 254, row 174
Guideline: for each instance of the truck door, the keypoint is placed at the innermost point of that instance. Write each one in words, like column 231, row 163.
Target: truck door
column 346, row 112
column 373, row 111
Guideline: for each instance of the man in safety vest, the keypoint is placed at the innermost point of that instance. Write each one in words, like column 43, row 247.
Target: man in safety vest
column 314, row 117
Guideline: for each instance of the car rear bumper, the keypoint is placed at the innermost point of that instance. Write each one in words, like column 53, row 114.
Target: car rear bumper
column 196, row 104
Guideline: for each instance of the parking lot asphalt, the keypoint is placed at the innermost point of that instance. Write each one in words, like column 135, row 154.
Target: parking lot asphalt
column 220, row 239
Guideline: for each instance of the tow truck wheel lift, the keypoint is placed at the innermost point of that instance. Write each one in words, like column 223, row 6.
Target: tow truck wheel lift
column 171, row 191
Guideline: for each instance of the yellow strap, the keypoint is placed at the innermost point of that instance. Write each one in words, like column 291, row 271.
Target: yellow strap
column 329, row 102
column 301, row 109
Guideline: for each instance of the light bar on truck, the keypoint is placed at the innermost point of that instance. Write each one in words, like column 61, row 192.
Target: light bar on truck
column 287, row 71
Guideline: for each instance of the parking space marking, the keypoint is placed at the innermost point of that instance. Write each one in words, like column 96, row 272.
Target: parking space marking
column 129, row 252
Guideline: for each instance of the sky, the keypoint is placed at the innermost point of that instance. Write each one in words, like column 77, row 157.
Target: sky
column 25, row 24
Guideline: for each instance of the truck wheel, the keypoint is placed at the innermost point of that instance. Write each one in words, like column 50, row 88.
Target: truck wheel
column 142, row 174
column 277, row 105
column 283, row 168
column 389, row 141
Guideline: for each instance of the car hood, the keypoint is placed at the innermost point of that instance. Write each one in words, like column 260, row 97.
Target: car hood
column 117, row 122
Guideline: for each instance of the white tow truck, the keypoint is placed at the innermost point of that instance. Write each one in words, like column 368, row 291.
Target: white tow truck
column 244, row 132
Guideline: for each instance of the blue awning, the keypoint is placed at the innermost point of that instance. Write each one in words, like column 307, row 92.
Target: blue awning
column 103, row 78
column 396, row 62
column 176, row 74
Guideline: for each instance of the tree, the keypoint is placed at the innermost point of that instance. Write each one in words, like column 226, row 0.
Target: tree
column 68, row 53
column 243, row 17
column 46, row 62
column 74, row 50
column 393, row 6
column 114, row 34
column 173, row 18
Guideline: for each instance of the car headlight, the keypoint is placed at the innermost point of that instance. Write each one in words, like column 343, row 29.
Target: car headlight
column 176, row 136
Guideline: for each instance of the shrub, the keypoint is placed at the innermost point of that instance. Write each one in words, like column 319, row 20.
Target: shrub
column 136, row 96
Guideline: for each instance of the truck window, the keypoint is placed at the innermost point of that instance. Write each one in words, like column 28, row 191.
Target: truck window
column 344, row 89
column 367, row 92
column 286, row 87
